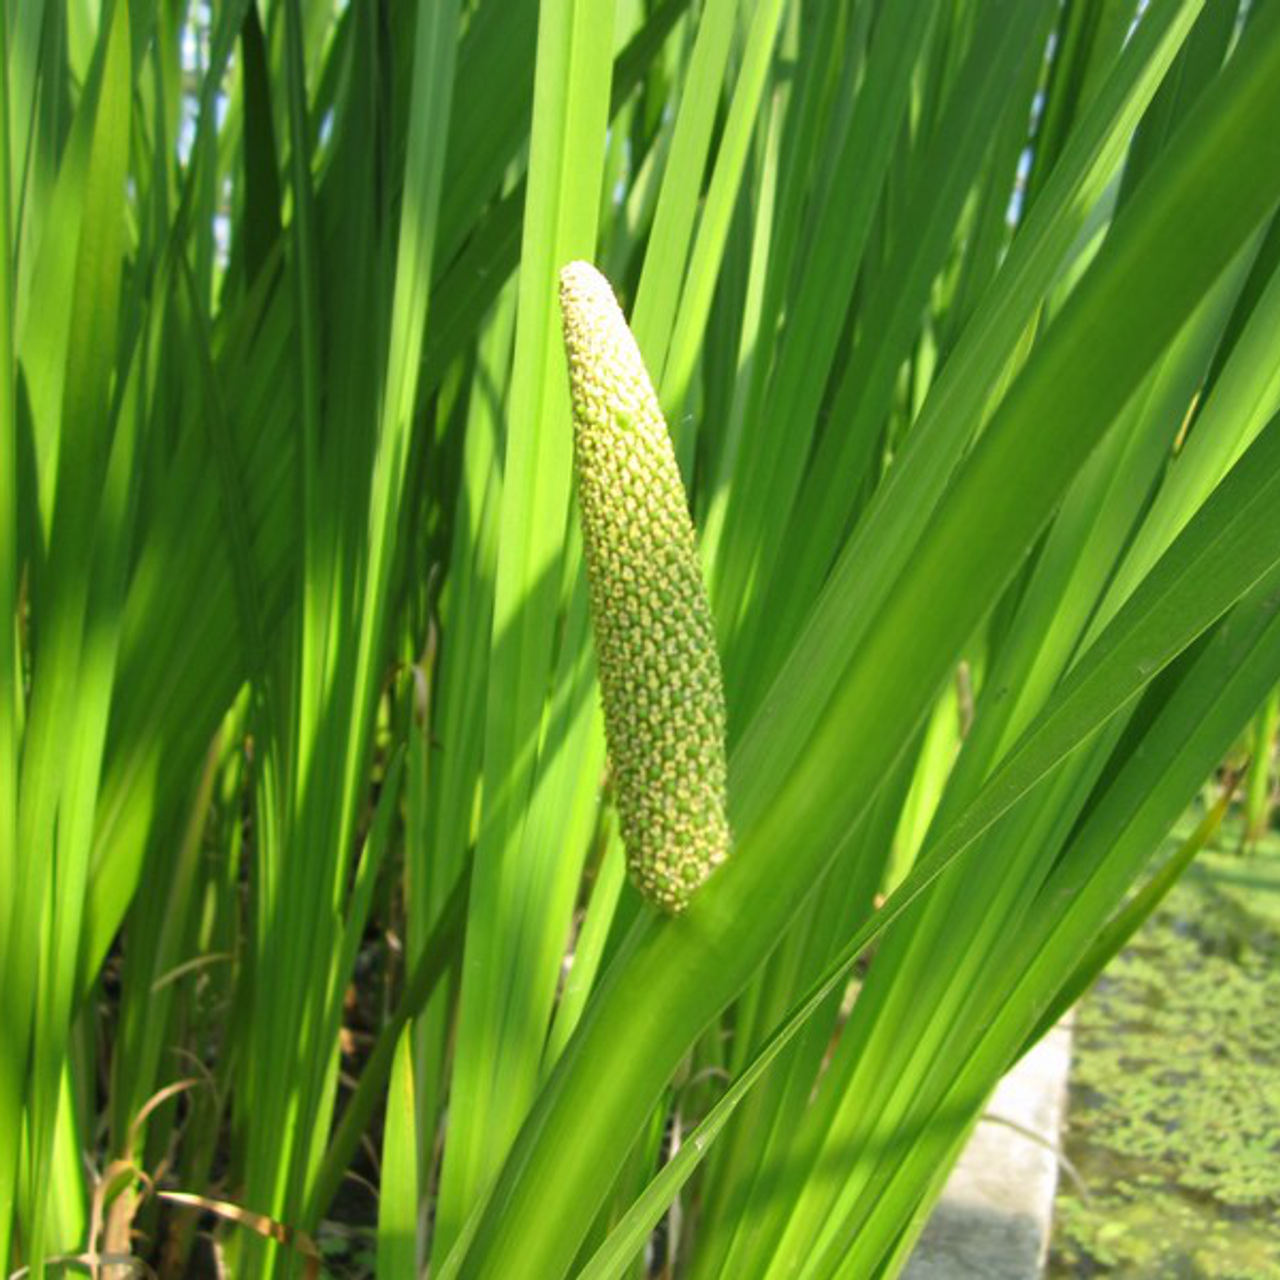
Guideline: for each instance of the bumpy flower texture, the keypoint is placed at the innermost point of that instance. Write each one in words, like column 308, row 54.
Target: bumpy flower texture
column 659, row 670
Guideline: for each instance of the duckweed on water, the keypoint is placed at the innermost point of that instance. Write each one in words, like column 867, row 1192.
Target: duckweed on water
column 1175, row 1089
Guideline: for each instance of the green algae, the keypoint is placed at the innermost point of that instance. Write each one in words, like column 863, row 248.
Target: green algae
column 1174, row 1118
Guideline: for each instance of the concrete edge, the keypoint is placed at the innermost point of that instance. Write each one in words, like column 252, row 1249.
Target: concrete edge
column 996, row 1212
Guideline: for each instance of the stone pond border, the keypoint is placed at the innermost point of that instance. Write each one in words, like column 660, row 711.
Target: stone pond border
column 995, row 1215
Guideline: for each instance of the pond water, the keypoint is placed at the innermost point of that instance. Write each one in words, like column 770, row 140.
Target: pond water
column 1174, row 1114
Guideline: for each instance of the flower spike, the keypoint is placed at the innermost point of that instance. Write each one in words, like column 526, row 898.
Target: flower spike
column 660, row 677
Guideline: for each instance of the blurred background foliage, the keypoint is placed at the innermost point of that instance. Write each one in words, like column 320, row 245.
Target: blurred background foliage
column 1175, row 1094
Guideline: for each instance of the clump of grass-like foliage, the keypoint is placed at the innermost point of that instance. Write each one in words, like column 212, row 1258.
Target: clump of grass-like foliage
column 315, row 924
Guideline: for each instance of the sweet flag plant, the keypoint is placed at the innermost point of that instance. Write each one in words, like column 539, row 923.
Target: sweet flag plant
column 492, row 787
